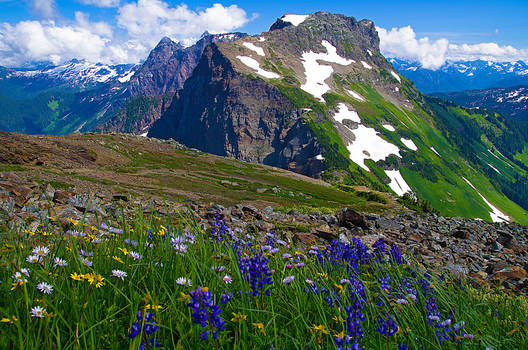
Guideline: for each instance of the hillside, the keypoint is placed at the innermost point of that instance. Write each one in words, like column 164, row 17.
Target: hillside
column 315, row 95
column 128, row 165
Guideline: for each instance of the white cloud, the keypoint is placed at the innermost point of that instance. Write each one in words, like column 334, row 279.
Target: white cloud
column 44, row 8
column 101, row 3
column 148, row 20
column 402, row 43
column 145, row 22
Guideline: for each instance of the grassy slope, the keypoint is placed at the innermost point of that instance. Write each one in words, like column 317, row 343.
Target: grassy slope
column 135, row 165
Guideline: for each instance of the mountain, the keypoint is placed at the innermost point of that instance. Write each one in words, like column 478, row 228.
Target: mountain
column 463, row 75
column 75, row 75
column 315, row 95
column 510, row 102
column 79, row 96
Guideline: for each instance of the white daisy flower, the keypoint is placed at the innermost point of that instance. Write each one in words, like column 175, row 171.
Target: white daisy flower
column 134, row 255
column 45, row 288
column 25, row 271
column 119, row 274
column 19, row 277
column 60, row 262
column 38, row 311
column 227, row 279
column 218, row 268
column 40, row 251
column 33, row 259
column 184, row 281
column 180, row 248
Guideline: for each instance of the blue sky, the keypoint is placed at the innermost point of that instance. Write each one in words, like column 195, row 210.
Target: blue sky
column 125, row 30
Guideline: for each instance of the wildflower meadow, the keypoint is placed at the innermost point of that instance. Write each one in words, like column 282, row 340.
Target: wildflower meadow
column 171, row 283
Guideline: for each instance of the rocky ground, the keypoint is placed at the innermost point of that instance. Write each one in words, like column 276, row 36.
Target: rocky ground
column 493, row 255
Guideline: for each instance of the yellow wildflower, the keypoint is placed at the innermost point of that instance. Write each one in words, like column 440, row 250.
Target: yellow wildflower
column 340, row 289
column 238, row 316
column 340, row 335
column 338, row 319
column 73, row 221
column 17, row 284
column 5, row 320
column 153, row 307
column 76, row 277
column 118, row 259
column 184, row 298
column 323, row 275
column 260, row 327
column 321, row 328
column 94, row 278
column 124, row 250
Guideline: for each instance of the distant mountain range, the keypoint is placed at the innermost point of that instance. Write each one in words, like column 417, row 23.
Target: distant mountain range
column 75, row 75
column 511, row 102
column 463, row 75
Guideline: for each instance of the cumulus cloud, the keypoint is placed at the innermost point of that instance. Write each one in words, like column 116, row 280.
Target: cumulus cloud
column 44, row 8
column 46, row 41
column 402, row 43
column 146, row 21
column 101, row 3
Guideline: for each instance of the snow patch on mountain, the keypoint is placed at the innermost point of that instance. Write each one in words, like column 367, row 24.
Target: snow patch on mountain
column 127, row 77
column 252, row 63
column 397, row 183
column 393, row 73
column 254, row 48
column 356, row 95
column 388, row 127
column 345, row 113
column 295, row 19
column 434, row 150
column 409, row 144
column 366, row 65
column 495, row 213
column 316, row 73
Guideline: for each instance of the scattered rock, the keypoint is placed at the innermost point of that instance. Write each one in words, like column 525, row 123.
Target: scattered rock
column 351, row 218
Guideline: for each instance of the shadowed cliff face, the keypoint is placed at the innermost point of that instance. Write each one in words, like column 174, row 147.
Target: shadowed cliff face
column 227, row 113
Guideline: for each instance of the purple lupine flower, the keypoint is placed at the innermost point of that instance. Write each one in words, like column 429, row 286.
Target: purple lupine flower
column 386, row 325
column 146, row 326
column 255, row 270
column 396, row 256
column 205, row 312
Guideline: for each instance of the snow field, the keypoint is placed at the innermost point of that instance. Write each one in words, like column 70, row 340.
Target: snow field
column 409, row 144
column 388, row 127
column 251, row 63
column 356, row 95
column 254, row 48
column 397, row 183
column 316, row 73
column 295, row 19
column 495, row 213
